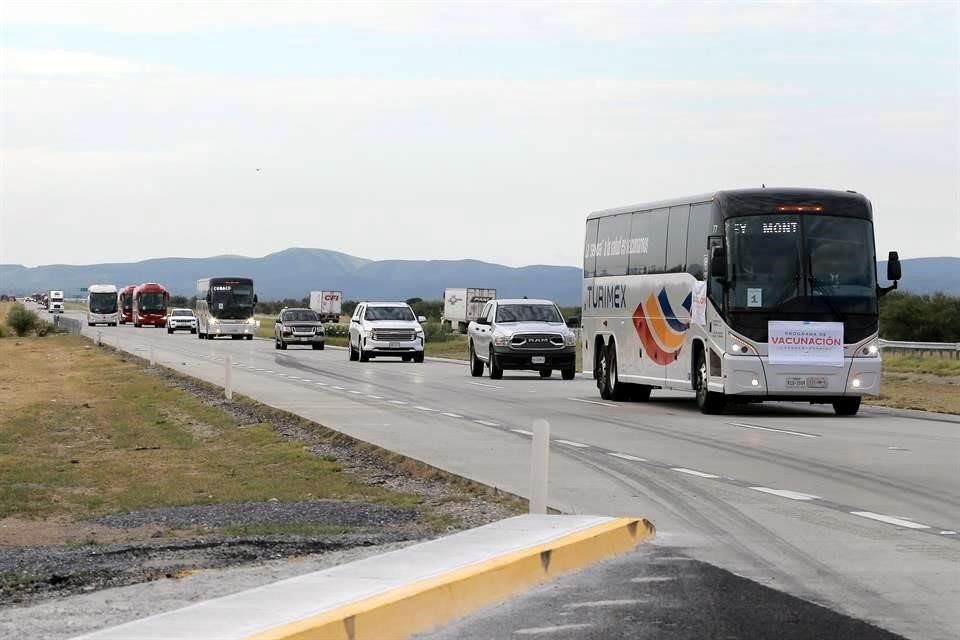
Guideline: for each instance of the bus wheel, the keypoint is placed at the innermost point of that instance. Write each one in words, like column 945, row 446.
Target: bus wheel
column 847, row 406
column 710, row 402
column 616, row 390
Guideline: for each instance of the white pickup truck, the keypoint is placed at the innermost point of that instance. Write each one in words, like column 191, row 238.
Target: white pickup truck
column 522, row 334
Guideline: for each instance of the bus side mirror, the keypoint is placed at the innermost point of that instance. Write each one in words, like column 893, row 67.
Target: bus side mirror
column 254, row 299
column 209, row 298
column 718, row 263
column 893, row 266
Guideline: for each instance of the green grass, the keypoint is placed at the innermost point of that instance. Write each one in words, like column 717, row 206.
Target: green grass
column 84, row 432
column 916, row 364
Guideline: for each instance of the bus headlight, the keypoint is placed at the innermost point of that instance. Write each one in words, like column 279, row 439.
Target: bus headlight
column 869, row 350
column 738, row 347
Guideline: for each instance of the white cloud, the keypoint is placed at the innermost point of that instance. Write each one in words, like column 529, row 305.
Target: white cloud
column 57, row 62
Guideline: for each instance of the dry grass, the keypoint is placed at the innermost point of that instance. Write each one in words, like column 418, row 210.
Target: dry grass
column 85, row 432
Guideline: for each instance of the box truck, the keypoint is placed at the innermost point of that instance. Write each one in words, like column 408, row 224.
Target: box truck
column 55, row 302
column 327, row 304
column 461, row 306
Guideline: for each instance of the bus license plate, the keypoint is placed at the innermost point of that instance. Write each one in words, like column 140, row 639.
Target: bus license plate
column 538, row 359
column 808, row 382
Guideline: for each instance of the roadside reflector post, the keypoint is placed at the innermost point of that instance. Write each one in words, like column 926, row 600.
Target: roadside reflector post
column 99, row 338
column 539, row 466
column 153, row 360
column 227, row 381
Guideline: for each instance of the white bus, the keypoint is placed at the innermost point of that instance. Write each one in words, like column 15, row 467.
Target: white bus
column 745, row 295
column 225, row 307
column 102, row 305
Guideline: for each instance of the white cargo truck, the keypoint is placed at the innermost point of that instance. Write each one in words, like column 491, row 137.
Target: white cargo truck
column 55, row 302
column 462, row 306
column 327, row 304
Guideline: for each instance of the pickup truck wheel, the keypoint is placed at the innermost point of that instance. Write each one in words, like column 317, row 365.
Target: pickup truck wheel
column 276, row 342
column 568, row 374
column 545, row 373
column 353, row 354
column 318, row 347
column 169, row 331
column 418, row 357
column 476, row 364
column 496, row 371
column 193, row 330
column 364, row 357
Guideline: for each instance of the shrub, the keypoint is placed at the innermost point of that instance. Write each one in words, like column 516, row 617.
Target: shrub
column 4, row 331
column 436, row 332
column 336, row 329
column 21, row 320
column 43, row 328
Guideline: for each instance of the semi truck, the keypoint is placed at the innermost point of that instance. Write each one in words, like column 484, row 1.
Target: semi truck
column 55, row 301
column 327, row 304
column 463, row 305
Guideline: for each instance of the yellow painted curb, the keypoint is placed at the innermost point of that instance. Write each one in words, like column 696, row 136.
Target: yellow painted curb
column 435, row 601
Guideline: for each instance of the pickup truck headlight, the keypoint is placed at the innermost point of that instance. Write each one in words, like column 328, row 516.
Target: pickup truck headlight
column 502, row 340
column 251, row 320
column 570, row 340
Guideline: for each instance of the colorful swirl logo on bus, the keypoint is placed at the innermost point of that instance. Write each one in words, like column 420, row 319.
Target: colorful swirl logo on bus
column 661, row 331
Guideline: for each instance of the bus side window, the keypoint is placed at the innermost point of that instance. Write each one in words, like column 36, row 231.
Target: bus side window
column 613, row 245
column 677, row 239
column 590, row 249
column 697, row 231
column 648, row 242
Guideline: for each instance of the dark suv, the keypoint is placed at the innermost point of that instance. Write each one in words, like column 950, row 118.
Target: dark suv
column 298, row 326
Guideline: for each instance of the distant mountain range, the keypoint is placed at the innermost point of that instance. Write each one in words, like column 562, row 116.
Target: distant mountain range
column 293, row 273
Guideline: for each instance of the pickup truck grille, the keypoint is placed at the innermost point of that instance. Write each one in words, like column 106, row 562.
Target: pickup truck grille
column 302, row 330
column 534, row 341
column 392, row 335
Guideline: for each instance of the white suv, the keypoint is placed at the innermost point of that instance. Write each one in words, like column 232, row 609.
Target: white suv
column 181, row 319
column 386, row 329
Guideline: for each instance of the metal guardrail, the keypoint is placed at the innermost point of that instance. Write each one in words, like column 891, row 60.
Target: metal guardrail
column 947, row 349
column 70, row 325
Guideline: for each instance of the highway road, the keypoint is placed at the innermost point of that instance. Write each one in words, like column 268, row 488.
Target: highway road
column 860, row 514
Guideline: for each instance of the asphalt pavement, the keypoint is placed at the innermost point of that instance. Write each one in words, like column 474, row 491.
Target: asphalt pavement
column 858, row 514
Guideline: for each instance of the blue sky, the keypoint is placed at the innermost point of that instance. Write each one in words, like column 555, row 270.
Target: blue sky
column 458, row 130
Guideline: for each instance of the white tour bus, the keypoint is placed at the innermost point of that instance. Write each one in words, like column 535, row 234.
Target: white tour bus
column 747, row 295
column 225, row 307
column 102, row 305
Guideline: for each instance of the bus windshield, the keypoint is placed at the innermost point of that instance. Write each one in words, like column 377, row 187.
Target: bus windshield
column 231, row 301
column 152, row 303
column 103, row 303
column 789, row 261
column 127, row 299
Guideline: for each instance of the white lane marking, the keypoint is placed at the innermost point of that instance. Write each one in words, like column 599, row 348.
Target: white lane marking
column 694, row 472
column 425, row 408
column 626, row 456
column 603, row 603
column 356, row 393
column 261, row 369
column 486, row 423
column 333, row 386
column 480, row 384
column 571, row 443
column 643, row 579
column 451, row 415
column 799, row 434
column 602, row 404
column 523, row 432
column 900, row 522
column 540, row 631
column 396, row 402
column 373, row 397
column 321, row 384
column 306, row 379
column 786, row 493
column 948, row 533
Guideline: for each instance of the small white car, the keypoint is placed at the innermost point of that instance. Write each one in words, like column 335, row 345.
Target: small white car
column 386, row 329
column 181, row 320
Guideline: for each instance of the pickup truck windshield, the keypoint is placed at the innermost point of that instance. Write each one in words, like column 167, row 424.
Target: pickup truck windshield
column 528, row 313
column 388, row 313
column 301, row 315
column 182, row 312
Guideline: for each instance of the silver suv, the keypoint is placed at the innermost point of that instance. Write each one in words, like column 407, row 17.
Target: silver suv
column 522, row 334
column 298, row 326
column 386, row 329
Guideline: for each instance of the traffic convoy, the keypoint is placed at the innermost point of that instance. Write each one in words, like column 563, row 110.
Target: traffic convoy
column 741, row 295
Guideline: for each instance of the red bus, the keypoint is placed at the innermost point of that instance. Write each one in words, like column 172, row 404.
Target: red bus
column 125, row 303
column 150, row 305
